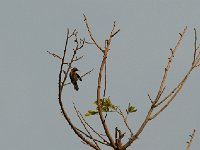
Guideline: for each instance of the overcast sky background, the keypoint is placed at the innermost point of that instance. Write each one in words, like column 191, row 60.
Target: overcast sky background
column 29, row 112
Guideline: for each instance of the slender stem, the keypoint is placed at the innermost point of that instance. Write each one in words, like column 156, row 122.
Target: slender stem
column 168, row 66
column 60, row 86
column 160, row 91
column 191, row 139
column 84, row 125
column 99, row 97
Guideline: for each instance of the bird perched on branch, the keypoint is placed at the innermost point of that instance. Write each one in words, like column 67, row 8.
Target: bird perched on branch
column 74, row 78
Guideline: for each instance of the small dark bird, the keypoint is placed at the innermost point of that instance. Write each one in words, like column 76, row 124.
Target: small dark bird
column 74, row 78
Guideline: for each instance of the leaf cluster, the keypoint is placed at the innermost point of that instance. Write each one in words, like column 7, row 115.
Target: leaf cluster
column 130, row 109
column 108, row 106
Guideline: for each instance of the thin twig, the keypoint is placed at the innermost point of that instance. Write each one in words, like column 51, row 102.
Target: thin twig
column 102, row 67
column 104, row 92
column 166, row 97
column 124, row 119
column 73, row 33
column 116, row 137
column 72, row 59
column 60, row 87
column 197, row 60
column 87, row 41
column 197, row 65
column 90, row 33
column 105, row 82
column 178, row 88
column 160, row 91
column 94, row 139
column 54, row 55
column 168, row 66
column 87, row 73
column 115, row 33
column 78, row 58
column 174, row 95
column 105, row 141
column 195, row 44
column 84, row 125
column 150, row 98
column 190, row 140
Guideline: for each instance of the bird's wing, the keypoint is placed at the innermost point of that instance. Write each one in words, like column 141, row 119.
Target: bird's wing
column 71, row 77
column 79, row 77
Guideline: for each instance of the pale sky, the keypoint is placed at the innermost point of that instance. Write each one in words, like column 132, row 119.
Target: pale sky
column 29, row 112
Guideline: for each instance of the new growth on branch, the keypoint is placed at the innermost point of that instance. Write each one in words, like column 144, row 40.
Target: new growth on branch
column 91, row 136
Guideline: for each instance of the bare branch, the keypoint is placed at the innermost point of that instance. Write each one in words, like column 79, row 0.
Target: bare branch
column 174, row 95
column 150, row 98
column 197, row 65
column 87, row 136
column 73, row 58
column 105, row 82
column 94, row 139
column 84, row 125
column 106, row 129
column 166, row 97
column 114, row 25
column 115, row 33
column 179, row 86
column 118, row 138
column 125, row 119
column 197, row 60
column 195, row 44
column 73, row 33
column 60, row 87
column 87, row 41
column 168, row 66
column 54, row 55
column 78, row 58
column 105, row 142
column 90, row 33
column 171, row 50
column 190, row 140
column 87, row 73
column 160, row 91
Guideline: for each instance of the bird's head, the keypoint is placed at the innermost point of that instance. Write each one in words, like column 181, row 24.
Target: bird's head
column 75, row 69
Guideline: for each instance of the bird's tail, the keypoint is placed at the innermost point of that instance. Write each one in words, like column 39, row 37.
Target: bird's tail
column 76, row 86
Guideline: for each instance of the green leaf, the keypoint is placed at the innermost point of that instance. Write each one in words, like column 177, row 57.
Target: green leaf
column 105, row 109
column 87, row 114
column 91, row 112
column 107, row 101
column 105, row 104
column 109, row 104
column 131, row 109
column 95, row 102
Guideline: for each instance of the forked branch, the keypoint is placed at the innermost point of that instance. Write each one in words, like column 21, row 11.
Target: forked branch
column 87, row 136
column 61, row 86
column 102, row 67
column 170, row 97
column 91, row 35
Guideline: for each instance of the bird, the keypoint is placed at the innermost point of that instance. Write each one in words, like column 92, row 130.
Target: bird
column 74, row 78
